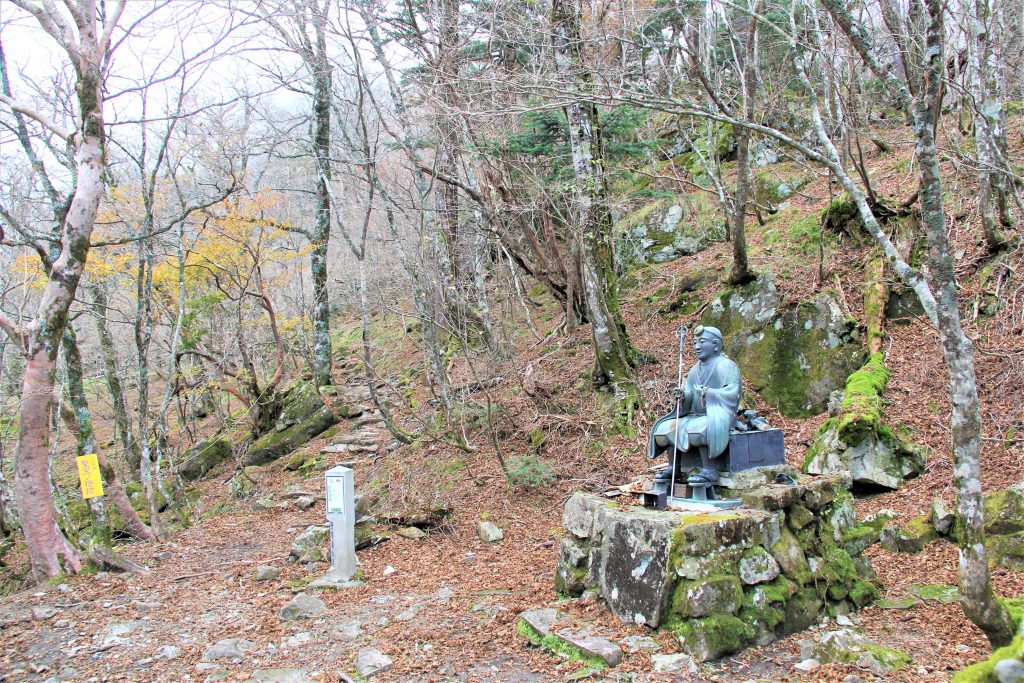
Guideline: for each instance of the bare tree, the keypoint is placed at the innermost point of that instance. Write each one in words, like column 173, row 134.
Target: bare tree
column 615, row 356
column 83, row 33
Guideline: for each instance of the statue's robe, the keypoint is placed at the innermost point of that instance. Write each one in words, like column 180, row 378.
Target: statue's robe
column 706, row 422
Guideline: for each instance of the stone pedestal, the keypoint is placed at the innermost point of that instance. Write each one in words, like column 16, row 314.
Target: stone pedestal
column 726, row 579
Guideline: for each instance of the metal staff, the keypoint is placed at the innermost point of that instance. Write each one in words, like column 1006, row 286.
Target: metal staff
column 683, row 331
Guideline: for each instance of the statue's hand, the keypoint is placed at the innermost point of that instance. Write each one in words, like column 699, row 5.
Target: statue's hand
column 679, row 393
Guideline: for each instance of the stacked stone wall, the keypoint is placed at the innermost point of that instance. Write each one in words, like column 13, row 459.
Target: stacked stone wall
column 723, row 580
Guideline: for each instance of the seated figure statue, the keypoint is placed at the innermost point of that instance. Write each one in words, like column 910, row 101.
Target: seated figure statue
column 705, row 412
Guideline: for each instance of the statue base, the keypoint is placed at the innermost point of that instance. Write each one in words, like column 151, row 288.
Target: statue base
column 722, row 579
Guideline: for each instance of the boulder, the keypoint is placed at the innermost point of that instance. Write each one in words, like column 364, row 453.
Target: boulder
column 656, row 233
column 757, row 566
column 794, row 356
column 942, row 517
column 243, row 484
column 313, row 538
column 911, row 538
column 230, row 649
column 304, row 417
column 858, row 441
column 203, row 457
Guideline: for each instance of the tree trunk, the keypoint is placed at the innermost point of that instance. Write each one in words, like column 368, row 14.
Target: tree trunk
column 876, row 296
column 122, row 424
column 740, row 272
column 87, row 444
column 49, row 551
column 614, row 352
column 322, row 94
column 987, row 112
column 976, row 595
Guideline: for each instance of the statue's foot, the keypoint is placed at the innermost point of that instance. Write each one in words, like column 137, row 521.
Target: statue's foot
column 704, row 477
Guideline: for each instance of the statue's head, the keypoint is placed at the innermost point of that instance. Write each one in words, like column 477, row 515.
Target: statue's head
column 707, row 342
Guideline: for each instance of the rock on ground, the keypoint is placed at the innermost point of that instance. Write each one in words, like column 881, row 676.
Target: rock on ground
column 370, row 662
column 489, row 532
column 280, row 676
column 303, row 606
column 229, row 649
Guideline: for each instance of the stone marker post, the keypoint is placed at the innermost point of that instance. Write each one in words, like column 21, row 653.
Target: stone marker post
column 341, row 514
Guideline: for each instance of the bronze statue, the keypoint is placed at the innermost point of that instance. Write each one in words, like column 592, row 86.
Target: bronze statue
column 705, row 413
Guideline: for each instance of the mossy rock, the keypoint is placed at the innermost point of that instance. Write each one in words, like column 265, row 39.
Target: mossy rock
column 911, row 538
column 300, row 401
column 788, row 552
column 655, row 233
column 793, row 356
column 802, row 610
column 712, row 637
column 935, row 592
column 196, row 462
column 272, row 446
column 839, row 573
column 137, row 497
column 1005, row 664
column 858, row 441
column 1004, row 511
column 863, row 593
column 1004, row 527
column 243, row 484
column 715, row 594
column 770, row 188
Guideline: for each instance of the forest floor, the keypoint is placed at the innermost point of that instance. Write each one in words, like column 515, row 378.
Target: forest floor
column 445, row 607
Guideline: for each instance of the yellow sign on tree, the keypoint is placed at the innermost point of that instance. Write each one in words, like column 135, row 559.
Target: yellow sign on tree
column 89, row 473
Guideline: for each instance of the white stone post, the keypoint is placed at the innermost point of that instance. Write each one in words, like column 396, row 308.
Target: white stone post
column 341, row 515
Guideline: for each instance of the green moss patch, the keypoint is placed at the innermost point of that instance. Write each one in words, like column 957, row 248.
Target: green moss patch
column 557, row 645
column 985, row 672
column 935, row 592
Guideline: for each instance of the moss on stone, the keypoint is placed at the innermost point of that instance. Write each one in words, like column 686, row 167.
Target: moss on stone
column 838, row 573
column 863, row 593
column 203, row 457
column 1015, row 606
column 555, row 644
column 985, row 672
column 935, row 592
column 802, row 609
column 794, row 357
column 780, row 590
column 712, row 636
column 703, row 597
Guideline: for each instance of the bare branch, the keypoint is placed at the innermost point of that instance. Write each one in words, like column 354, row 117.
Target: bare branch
column 37, row 117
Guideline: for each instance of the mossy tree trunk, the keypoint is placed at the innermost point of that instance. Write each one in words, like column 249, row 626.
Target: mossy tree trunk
column 63, row 260
column 615, row 356
column 923, row 109
column 112, row 373
column 305, row 33
column 746, row 54
column 315, row 55
column 987, row 110
column 876, row 296
column 86, row 443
